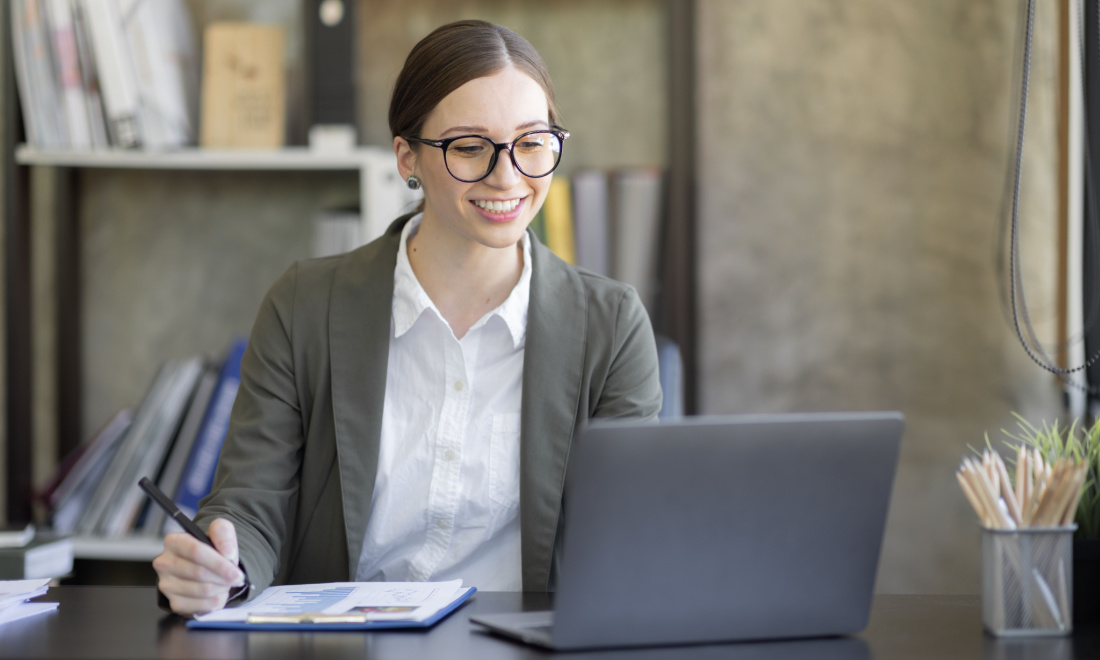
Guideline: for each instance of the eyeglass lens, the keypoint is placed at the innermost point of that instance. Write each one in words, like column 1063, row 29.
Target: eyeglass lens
column 471, row 158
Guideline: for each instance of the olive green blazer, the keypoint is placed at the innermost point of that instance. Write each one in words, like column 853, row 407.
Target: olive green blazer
column 297, row 469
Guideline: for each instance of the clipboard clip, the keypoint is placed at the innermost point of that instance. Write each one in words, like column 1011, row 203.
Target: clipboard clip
column 307, row 617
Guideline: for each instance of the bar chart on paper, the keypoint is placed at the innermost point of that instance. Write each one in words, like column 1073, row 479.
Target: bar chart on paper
column 296, row 602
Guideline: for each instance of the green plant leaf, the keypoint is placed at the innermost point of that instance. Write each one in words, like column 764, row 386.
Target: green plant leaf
column 1054, row 442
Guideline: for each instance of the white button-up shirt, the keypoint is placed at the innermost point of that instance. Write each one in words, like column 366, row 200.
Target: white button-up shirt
column 446, row 497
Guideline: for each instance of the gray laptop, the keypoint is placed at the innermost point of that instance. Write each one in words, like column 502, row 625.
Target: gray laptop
column 712, row 529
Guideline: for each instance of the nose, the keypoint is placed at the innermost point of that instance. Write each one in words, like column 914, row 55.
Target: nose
column 504, row 174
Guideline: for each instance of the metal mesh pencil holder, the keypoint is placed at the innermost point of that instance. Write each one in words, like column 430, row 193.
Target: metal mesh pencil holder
column 1027, row 581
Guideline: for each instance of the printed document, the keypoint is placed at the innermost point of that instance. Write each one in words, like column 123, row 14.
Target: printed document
column 373, row 601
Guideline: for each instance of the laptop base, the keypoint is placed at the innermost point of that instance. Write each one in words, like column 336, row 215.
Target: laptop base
column 530, row 627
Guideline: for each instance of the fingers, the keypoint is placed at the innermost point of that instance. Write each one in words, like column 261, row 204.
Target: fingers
column 191, row 588
column 188, row 597
column 187, row 607
column 188, row 558
column 195, row 577
column 172, row 585
column 224, row 535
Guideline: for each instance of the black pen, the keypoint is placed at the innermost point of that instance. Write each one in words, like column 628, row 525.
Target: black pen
column 188, row 525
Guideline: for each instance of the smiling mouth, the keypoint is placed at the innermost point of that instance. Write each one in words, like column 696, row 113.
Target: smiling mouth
column 496, row 206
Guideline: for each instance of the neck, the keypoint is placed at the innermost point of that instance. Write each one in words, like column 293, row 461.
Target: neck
column 464, row 279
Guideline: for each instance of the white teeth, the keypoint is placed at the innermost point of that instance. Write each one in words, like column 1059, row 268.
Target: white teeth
column 495, row 206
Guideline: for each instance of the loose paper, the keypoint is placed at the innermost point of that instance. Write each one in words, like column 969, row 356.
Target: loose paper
column 24, row 610
column 14, row 592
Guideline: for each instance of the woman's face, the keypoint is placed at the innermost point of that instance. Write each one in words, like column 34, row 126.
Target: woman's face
column 500, row 107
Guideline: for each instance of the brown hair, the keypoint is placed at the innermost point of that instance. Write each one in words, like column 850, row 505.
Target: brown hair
column 453, row 55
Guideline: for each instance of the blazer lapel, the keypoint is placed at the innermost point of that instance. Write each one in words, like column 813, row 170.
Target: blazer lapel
column 553, row 369
column 359, row 343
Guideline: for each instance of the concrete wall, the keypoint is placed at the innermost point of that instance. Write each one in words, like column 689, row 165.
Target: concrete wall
column 175, row 264
column 608, row 60
column 851, row 168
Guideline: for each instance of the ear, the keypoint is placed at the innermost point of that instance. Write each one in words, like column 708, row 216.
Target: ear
column 406, row 157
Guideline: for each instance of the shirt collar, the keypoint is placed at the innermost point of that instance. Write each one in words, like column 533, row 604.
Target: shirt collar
column 410, row 300
column 513, row 311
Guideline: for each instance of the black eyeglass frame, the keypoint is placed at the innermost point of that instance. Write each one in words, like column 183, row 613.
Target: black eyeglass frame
column 557, row 131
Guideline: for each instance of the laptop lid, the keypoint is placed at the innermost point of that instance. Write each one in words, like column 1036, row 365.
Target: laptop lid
column 723, row 528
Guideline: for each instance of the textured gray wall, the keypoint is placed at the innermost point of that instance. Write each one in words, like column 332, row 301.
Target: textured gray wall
column 175, row 264
column 851, row 170
column 608, row 60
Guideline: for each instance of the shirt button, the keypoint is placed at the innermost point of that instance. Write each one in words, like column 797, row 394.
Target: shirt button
column 441, row 524
column 450, row 455
column 458, row 386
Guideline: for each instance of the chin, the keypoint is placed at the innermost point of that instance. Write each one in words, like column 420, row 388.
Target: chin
column 499, row 235
column 501, row 240
column 502, row 235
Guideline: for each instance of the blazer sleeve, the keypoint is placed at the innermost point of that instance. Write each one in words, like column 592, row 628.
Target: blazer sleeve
column 256, row 483
column 632, row 387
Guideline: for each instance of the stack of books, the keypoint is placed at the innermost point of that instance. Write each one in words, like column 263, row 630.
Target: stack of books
column 608, row 222
column 96, row 74
column 27, row 555
column 174, row 437
column 336, row 231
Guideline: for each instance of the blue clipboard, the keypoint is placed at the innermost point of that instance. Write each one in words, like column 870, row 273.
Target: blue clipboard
column 462, row 597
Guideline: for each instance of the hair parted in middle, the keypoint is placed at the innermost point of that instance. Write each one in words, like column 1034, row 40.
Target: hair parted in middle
column 453, row 55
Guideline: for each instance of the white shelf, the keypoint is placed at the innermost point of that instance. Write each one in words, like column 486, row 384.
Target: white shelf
column 382, row 194
column 125, row 548
column 291, row 158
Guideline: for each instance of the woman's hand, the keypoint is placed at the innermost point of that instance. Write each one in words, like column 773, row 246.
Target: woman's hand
column 195, row 577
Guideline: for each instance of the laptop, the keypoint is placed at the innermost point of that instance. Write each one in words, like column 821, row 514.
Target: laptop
column 714, row 529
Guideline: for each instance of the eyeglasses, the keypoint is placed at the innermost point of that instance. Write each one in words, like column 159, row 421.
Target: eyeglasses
column 470, row 158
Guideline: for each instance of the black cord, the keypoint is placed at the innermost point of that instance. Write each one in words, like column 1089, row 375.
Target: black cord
column 1016, row 287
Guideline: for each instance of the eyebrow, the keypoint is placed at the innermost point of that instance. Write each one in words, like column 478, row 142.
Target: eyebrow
column 481, row 129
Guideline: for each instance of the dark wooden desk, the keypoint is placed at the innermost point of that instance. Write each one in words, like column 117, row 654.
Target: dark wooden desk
column 124, row 622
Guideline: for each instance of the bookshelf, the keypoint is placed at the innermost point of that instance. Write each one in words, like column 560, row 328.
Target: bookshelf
column 377, row 168
column 123, row 548
column 195, row 158
column 120, row 561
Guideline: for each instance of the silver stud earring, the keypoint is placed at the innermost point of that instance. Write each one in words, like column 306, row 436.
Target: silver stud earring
column 413, row 182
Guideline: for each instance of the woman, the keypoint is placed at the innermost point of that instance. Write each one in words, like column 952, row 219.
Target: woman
column 384, row 394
